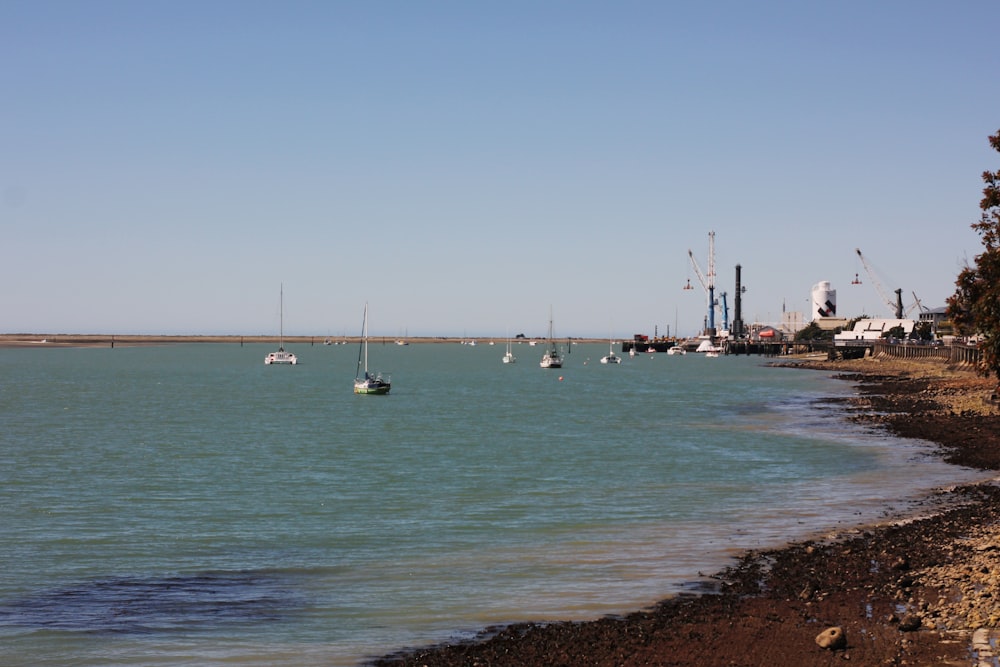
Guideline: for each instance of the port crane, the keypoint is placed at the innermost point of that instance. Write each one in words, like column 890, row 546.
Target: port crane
column 707, row 280
column 918, row 304
column 896, row 304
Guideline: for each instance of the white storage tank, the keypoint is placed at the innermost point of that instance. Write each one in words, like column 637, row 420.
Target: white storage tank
column 824, row 300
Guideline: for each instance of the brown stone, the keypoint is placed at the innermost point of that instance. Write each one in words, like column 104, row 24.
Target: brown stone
column 832, row 638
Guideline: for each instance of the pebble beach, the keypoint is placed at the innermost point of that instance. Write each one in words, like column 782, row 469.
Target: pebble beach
column 919, row 590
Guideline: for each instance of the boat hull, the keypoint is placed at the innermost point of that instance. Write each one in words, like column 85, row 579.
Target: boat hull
column 281, row 358
column 374, row 387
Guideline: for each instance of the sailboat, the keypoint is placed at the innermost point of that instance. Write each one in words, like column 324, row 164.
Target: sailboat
column 369, row 383
column 551, row 358
column 509, row 358
column 612, row 358
column 281, row 357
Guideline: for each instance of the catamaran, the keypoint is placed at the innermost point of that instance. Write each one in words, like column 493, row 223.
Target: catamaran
column 611, row 358
column 281, row 357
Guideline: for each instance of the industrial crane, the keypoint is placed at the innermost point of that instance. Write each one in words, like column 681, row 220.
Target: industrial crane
column 707, row 280
column 895, row 304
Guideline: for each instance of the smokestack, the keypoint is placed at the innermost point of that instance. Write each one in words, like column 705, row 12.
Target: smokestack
column 738, row 319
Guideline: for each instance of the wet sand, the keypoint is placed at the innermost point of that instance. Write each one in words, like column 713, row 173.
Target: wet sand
column 919, row 591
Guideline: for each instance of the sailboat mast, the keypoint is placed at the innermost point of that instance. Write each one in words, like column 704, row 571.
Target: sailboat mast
column 361, row 348
column 281, row 317
column 552, row 340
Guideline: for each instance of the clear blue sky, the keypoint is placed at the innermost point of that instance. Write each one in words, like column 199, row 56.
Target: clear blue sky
column 166, row 165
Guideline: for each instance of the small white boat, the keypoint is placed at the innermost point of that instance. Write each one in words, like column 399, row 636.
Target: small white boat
column 509, row 357
column 281, row 356
column 712, row 355
column 676, row 349
column 611, row 357
column 707, row 347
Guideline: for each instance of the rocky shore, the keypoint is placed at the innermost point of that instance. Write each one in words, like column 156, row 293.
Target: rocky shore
column 919, row 591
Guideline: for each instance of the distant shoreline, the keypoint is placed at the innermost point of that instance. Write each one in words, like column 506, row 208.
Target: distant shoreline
column 113, row 340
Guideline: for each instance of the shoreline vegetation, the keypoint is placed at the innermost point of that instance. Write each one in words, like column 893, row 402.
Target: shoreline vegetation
column 917, row 589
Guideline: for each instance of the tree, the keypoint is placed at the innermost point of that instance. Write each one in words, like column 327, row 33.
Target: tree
column 897, row 332
column 924, row 331
column 975, row 306
column 812, row 332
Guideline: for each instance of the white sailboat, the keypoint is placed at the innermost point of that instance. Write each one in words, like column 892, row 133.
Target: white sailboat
column 509, row 358
column 611, row 357
column 281, row 357
column 551, row 358
column 369, row 383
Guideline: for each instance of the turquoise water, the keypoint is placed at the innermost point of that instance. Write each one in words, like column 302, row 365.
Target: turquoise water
column 190, row 505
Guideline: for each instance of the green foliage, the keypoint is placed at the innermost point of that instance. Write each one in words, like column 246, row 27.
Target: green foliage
column 812, row 331
column 896, row 332
column 975, row 306
column 924, row 331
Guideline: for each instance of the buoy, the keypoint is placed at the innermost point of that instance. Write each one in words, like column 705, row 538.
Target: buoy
column 560, row 378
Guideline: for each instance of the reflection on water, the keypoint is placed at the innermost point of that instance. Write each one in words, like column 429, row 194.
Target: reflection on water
column 202, row 602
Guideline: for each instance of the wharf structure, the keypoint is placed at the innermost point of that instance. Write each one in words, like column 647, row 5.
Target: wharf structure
column 643, row 343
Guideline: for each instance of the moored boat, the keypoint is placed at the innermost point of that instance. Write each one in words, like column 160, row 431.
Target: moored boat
column 509, row 357
column 551, row 358
column 369, row 383
column 611, row 357
column 281, row 356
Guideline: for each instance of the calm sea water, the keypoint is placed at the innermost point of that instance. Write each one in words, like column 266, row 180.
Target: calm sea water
column 190, row 505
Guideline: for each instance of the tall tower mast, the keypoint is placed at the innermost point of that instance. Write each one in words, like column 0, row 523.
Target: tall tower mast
column 707, row 281
column 711, row 283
